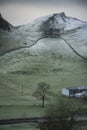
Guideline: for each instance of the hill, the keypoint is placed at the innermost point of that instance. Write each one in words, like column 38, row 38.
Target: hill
column 52, row 49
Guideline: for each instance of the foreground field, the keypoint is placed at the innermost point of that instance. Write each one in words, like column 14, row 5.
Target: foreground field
column 24, row 126
column 17, row 89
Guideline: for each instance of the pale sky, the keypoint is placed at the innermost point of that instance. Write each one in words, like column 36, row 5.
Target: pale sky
column 19, row 12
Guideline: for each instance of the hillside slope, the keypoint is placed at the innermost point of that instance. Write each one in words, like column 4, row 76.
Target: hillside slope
column 52, row 26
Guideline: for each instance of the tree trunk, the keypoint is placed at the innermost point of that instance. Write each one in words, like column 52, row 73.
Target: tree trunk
column 43, row 101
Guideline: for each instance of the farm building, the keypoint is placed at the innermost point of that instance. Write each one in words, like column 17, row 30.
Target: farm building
column 75, row 91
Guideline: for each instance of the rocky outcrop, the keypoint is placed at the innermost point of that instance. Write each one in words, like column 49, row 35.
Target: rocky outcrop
column 4, row 25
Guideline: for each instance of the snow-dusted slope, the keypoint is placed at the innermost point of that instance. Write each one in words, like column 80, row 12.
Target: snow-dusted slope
column 71, row 31
column 56, row 21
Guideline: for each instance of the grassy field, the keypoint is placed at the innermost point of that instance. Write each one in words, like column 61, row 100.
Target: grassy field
column 24, row 126
column 16, row 90
column 20, row 111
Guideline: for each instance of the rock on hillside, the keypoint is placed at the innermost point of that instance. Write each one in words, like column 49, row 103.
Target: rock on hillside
column 4, row 25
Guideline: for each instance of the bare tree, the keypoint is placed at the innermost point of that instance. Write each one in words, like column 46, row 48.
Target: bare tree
column 42, row 91
column 60, row 116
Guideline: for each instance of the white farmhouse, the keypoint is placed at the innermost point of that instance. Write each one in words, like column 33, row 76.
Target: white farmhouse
column 75, row 91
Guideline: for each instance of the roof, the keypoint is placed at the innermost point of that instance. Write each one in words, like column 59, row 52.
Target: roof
column 78, row 88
